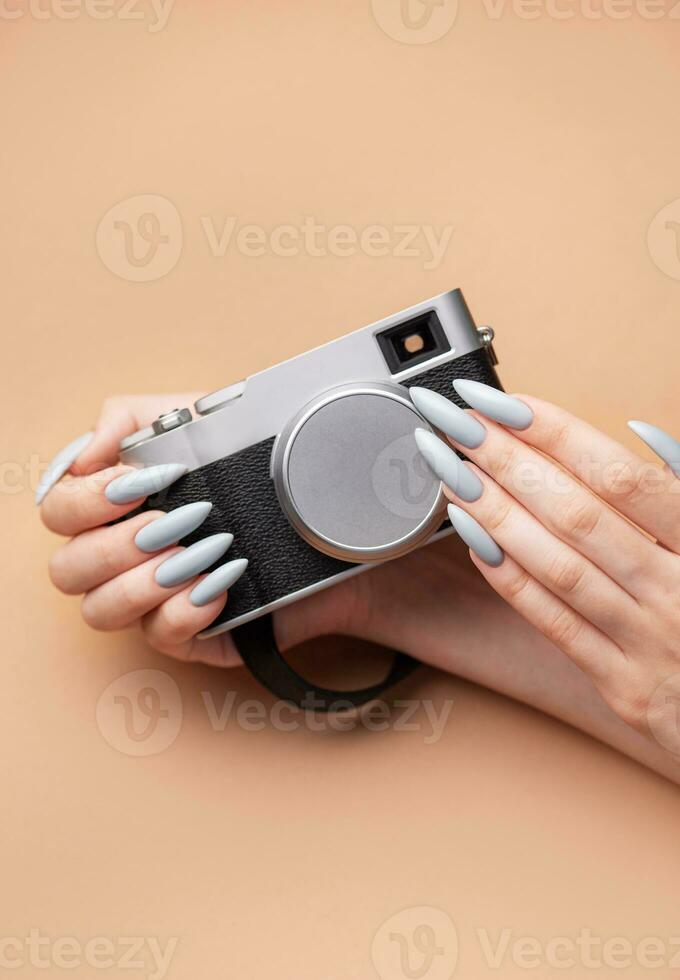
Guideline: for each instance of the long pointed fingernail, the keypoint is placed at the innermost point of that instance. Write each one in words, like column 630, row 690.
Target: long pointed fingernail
column 445, row 464
column 448, row 417
column 61, row 463
column 475, row 537
column 663, row 445
column 183, row 566
column 495, row 404
column 173, row 526
column 218, row 582
column 140, row 483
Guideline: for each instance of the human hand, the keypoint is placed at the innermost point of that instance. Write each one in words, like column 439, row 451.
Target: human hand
column 131, row 573
column 117, row 577
column 578, row 534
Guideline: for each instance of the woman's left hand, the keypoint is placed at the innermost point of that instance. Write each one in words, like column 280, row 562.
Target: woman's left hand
column 578, row 534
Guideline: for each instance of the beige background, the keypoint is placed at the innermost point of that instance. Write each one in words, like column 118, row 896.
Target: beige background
column 549, row 146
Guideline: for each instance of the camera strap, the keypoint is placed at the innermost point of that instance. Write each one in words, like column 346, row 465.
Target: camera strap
column 256, row 643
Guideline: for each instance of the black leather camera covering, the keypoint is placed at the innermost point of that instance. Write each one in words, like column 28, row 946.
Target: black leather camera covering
column 245, row 503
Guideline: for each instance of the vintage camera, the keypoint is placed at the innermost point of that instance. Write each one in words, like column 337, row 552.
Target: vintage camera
column 312, row 464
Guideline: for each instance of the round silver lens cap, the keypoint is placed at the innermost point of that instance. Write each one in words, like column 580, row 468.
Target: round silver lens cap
column 349, row 476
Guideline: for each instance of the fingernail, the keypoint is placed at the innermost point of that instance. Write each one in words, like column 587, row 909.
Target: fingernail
column 495, row 404
column 445, row 464
column 140, row 483
column 475, row 537
column 218, row 582
column 663, row 445
column 173, row 526
column 193, row 560
column 448, row 417
column 61, row 463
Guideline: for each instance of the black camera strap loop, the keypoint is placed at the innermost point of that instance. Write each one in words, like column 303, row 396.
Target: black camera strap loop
column 256, row 643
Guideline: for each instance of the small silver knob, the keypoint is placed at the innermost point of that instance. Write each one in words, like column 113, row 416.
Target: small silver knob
column 171, row 420
column 486, row 335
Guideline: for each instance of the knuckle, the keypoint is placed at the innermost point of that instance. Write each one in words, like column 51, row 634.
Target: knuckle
column 580, row 517
column 57, row 571
column 50, row 513
column 75, row 513
column 91, row 613
column 499, row 516
column 518, row 585
column 566, row 573
column 630, row 704
column 564, row 628
column 127, row 597
column 557, row 436
column 173, row 620
column 105, row 554
column 627, row 483
column 505, row 466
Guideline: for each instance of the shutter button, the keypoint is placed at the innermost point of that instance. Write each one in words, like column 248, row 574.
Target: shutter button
column 171, row 420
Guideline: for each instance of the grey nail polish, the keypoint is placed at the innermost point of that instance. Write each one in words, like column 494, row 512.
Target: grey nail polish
column 61, row 463
column 140, row 483
column 448, row 417
column 172, row 527
column 663, row 445
column 503, row 408
column 452, row 471
column 218, row 582
column 475, row 537
column 192, row 560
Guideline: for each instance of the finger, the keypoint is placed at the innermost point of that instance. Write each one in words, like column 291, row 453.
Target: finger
column 564, row 571
column 78, row 503
column 117, row 419
column 645, row 492
column 173, row 626
column 569, row 510
column 123, row 600
column 100, row 554
column 566, row 628
column 120, row 416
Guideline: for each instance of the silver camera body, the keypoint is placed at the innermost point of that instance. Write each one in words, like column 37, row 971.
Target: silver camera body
column 312, row 464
